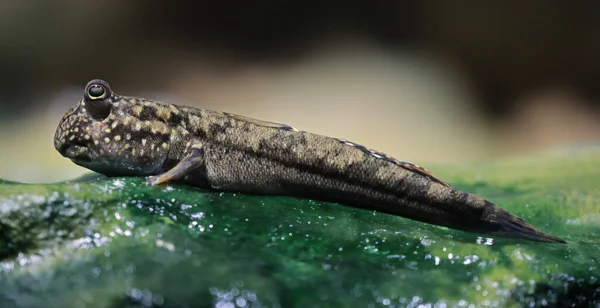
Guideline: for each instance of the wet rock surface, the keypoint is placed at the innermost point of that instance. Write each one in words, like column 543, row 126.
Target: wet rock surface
column 117, row 242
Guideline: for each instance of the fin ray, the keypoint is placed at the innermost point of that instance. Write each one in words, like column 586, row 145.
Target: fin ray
column 406, row 165
column 261, row 122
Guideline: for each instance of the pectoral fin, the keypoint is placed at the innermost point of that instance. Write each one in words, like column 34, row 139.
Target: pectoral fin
column 190, row 163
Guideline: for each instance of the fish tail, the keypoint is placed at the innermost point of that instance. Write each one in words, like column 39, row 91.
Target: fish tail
column 510, row 225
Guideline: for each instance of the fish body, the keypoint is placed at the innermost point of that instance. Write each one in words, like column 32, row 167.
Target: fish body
column 129, row 136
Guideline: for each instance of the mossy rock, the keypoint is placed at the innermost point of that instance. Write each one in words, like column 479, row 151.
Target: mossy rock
column 117, row 242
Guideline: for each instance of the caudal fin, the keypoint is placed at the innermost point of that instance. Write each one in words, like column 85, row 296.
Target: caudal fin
column 515, row 227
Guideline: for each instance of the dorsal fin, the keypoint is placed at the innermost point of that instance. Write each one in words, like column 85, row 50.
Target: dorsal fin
column 420, row 170
column 261, row 122
column 406, row 165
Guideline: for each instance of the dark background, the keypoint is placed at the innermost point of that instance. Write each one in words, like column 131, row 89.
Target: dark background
column 437, row 82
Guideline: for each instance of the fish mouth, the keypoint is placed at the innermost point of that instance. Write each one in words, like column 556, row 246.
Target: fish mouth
column 76, row 152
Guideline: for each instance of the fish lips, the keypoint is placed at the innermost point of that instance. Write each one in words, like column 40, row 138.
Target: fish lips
column 76, row 152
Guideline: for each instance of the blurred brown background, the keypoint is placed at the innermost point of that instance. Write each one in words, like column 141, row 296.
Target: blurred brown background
column 431, row 82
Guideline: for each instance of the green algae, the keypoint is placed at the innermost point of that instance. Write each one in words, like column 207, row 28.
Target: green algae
column 117, row 242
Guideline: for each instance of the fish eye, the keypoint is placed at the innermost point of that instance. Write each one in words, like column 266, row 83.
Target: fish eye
column 97, row 99
column 96, row 91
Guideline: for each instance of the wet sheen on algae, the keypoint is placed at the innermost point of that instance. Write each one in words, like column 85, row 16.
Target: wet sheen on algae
column 115, row 242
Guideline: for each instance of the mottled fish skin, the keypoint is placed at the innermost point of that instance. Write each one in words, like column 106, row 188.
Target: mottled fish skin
column 129, row 136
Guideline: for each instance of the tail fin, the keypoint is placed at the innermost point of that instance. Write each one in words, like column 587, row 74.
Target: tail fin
column 515, row 227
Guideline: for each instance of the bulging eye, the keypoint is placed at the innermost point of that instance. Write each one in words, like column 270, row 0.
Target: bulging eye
column 97, row 99
column 96, row 91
